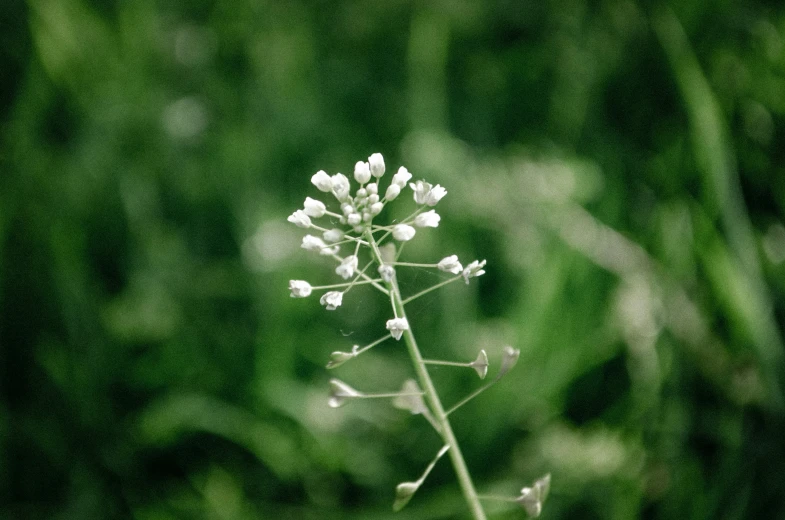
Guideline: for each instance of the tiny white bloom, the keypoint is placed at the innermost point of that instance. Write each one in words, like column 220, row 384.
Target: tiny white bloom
column 300, row 219
column 347, row 267
column 333, row 235
column 473, row 270
column 312, row 243
column 362, row 172
column 322, row 181
column 393, row 190
column 376, row 162
column 387, row 272
column 341, row 186
column 314, row 208
column 332, row 300
column 450, row 264
column 340, row 392
column 396, row 326
column 420, row 189
column 427, row 219
column 403, row 232
column 436, row 194
column 299, row 288
column 402, row 177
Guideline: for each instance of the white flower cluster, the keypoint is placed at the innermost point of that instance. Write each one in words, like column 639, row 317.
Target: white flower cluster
column 352, row 222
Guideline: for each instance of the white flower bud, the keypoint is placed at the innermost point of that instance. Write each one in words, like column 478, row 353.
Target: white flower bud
column 420, row 189
column 403, row 232
column 314, row 208
column 354, row 219
column 473, row 270
column 397, row 326
column 376, row 162
column 300, row 219
column 340, row 392
column 322, row 181
column 372, row 188
column 387, row 272
column 393, row 190
column 376, row 208
column 333, row 235
column 312, row 243
column 450, row 264
column 347, row 208
column 402, row 177
column 332, row 300
column 373, row 198
column 436, row 194
column 361, row 193
column 347, row 267
column 362, row 172
column 341, row 186
column 367, row 217
column 299, row 288
column 427, row 219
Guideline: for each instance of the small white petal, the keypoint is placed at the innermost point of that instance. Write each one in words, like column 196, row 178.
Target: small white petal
column 332, row 300
column 473, row 270
column 341, row 186
column 421, row 190
column 450, row 264
column 427, row 219
column 387, row 272
column 402, row 177
column 347, row 267
column 393, row 190
column 376, row 162
column 403, row 232
column 300, row 219
column 340, row 392
column 333, row 235
column 322, row 181
column 312, row 243
column 397, row 326
column 436, row 194
column 362, row 172
column 299, row 288
column 314, row 208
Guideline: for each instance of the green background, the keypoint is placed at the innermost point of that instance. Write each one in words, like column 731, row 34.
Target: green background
column 621, row 167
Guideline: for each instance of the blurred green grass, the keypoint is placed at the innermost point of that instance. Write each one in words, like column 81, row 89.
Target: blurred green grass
column 620, row 167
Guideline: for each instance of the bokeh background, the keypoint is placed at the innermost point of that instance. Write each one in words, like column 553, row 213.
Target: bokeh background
column 620, row 164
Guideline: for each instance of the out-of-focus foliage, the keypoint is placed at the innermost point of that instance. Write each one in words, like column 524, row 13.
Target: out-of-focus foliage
column 621, row 167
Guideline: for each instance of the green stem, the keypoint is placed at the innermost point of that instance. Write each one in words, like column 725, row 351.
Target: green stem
column 432, row 397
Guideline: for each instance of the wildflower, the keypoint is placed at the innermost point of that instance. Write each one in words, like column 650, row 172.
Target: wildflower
column 322, row 181
column 532, row 498
column 312, row 243
column 450, row 264
column 300, row 219
column 332, row 300
column 314, row 208
column 403, row 232
column 299, row 288
column 473, row 270
column 347, row 267
column 376, row 162
column 387, row 272
column 396, row 326
column 427, row 219
column 402, row 177
column 333, row 235
column 436, row 194
column 362, row 172
column 393, row 190
column 425, row 193
column 340, row 186
column 340, row 392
